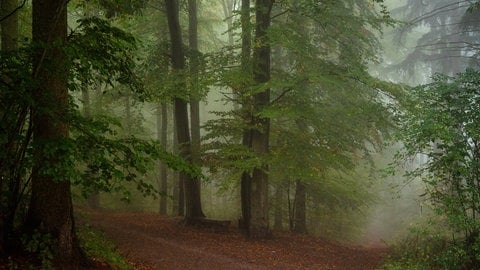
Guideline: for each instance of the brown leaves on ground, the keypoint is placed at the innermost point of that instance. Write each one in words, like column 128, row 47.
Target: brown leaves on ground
column 151, row 241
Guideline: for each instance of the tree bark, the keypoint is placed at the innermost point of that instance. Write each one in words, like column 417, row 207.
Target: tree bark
column 300, row 220
column 51, row 209
column 194, row 185
column 93, row 199
column 9, row 34
column 278, row 211
column 192, row 202
column 259, row 222
column 246, row 178
column 162, row 124
column 178, row 187
column 9, row 183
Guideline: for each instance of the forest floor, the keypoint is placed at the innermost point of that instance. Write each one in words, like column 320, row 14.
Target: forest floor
column 151, row 241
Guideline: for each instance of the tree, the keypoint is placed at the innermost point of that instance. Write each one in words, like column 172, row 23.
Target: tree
column 162, row 124
column 11, row 147
column 51, row 210
column 260, row 126
column 195, row 189
column 9, row 24
column 318, row 75
column 450, row 44
column 441, row 123
column 192, row 202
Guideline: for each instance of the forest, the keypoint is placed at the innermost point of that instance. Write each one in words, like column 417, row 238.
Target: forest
column 240, row 134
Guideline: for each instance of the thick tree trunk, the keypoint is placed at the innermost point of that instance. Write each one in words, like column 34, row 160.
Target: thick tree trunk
column 51, row 208
column 246, row 179
column 192, row 202
column 162, row 125
column 9, row 183
column 259, row 220
column 300, row 219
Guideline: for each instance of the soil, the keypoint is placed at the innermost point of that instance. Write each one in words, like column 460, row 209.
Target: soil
column 151, row 241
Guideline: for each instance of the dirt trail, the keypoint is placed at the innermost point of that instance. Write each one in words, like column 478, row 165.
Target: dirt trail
column 151, row 241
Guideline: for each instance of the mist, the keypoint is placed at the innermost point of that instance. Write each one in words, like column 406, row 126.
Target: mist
column 246, row 134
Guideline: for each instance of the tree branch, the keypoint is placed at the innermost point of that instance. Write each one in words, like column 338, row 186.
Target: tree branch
column 13, row 11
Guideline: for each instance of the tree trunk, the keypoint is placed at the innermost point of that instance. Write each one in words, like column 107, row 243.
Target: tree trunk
column 128, row 116
column 246, row 178
column 9, row 183
column 228, row 8
column 93, row 199
column 259, row 222
column 192, row 202
column 278, row 211
column 51, row 209
column 9, row 34
column 300, row 221
column 194, row 185
column 162, row 124
column 178, row 187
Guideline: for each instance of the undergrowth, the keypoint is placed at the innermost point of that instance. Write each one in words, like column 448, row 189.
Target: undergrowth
column 424, row 250
column 97, row 246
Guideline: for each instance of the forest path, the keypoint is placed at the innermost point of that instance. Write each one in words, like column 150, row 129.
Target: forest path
column 151, row 241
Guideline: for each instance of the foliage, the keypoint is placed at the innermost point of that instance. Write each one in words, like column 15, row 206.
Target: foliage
column 102, row 54
column 318, row 77
column 97, row 157
column 41, row 245
column 444, row 34
column 442, row 125
column 114, row 8
column 428, row 249
column 96, row 245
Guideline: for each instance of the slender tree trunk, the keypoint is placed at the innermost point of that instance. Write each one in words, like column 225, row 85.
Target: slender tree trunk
column 178, row 187
column 228, row 7
column 93, row 199
column 162, row 124
column 291, row 207
column 300, row 220
column 246, row 178
column 259, row 221
column 51, row 208
column 193, row 203
column 9, row 34
column 194, row 186
column 128, row 115
column 278, row 211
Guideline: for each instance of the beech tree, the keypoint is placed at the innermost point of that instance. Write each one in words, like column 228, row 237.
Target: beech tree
column 192, row 195
column 260, row 130
column 317, row 75
column 51, row 210
column 11, row 145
